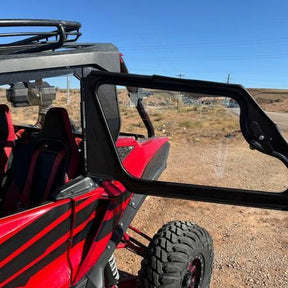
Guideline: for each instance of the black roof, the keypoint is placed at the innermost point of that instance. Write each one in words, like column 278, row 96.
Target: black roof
column 49, row 49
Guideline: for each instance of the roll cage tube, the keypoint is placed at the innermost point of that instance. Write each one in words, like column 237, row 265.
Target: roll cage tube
column 145, row 118
column 251, row 115
column 140, row 107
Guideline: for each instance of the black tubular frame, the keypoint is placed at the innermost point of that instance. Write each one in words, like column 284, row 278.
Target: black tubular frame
column 100, row 139
column 36, row 41
column 145, row 118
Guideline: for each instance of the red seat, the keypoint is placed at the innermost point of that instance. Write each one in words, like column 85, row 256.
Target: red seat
column 41, row 167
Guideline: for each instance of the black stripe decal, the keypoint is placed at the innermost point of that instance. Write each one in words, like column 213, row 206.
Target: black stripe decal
column 119, row 200
column 18, row 240
column 22, row 279
column 78, row 202
column 81, row 235
column 35, row 250
column 108, row 226
column 85, row 213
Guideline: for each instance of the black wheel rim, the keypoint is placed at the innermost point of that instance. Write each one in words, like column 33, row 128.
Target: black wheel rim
column 194, row 272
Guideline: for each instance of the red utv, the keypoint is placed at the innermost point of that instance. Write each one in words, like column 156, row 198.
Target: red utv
column 70, row 190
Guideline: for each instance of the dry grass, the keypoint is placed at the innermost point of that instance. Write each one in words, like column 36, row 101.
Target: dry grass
column 185, row 125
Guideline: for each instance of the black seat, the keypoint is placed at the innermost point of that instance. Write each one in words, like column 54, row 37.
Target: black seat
column 39, row 168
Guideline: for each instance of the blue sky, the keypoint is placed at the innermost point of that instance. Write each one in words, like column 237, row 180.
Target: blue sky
column 199, row 39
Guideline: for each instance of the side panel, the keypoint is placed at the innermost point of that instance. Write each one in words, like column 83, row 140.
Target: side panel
column 34, row 247
column 108, row 213
column 85, row 212
column 98, row 212
column 141, row 153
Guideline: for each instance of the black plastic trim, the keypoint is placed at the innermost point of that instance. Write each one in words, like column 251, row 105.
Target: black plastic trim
column 157, row 164
column 74, row 188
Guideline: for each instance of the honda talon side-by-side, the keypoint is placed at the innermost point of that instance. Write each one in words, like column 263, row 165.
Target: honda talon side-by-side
column 77, row 164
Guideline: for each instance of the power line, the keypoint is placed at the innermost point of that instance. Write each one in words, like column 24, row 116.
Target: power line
column 210, row 58
column 203, row 44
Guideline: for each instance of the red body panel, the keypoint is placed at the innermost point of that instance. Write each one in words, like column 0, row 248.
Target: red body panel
column 40, row 249
column 54, row 275
column 86, row 204
column 27, row 255
column 137, row 160
column 102, row 236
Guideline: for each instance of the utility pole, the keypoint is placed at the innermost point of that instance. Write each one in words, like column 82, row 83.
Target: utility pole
column 226, row 101
column 68, row 89
column 179, row 93
column 228, row 78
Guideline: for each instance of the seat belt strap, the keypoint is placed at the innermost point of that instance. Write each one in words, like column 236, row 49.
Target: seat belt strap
column 24, row 197
column 56, row 164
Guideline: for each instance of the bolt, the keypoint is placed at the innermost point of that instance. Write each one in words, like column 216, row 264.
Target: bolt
column 261, row 137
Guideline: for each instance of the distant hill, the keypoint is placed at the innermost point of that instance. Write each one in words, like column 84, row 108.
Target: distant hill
column 269, row 94
column 274, row 100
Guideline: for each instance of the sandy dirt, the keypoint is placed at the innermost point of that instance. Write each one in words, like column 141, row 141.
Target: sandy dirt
column 250, row 244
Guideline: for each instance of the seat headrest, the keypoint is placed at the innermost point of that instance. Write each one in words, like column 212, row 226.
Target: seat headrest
column 57, row 126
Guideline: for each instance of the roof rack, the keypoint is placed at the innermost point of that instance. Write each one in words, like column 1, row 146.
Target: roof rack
column 37, row 39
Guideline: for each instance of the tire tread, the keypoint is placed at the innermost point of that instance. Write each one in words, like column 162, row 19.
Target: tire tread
column 170, row 251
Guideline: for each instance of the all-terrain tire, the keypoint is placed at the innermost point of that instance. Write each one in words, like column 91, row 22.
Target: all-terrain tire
column 179, row 255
